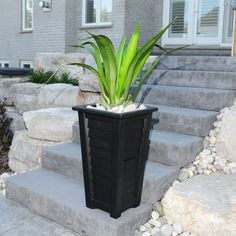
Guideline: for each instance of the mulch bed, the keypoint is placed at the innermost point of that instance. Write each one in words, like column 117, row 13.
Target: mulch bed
column 5, row 140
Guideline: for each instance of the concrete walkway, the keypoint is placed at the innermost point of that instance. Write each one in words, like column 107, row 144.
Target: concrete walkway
column 18, row 221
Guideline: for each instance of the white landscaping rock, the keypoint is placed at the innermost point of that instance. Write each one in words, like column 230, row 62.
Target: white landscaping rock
column 53, row 124
column 226, row 142
column 25, row 96
column 204, row 205
column 6, row 94
column 25, row 152
column 58, row 95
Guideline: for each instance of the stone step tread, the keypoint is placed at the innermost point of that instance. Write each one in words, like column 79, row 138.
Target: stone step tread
column 183, row 110
column 173, row 138
column 188, row 97
column 69, row 163
column 194, row 71
column 62, row 199
column 186, row 88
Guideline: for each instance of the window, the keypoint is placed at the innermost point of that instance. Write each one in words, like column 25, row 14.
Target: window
column 4, row 64
column 27, row 15
column 97, row 12
column 26, row 64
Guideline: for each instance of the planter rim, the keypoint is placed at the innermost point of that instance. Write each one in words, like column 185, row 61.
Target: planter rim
column 84, row 108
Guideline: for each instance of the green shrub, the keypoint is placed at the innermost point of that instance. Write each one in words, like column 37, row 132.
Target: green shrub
column 50, row 77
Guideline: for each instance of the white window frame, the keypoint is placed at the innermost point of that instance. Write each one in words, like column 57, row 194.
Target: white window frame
column 23, row 17
column 98, row 16
column 22, row 63
column 3, row 62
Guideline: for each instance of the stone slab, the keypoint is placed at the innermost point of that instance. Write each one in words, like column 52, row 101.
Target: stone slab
column 25, row 152
column 62, row 200
column 18, row 221
column 52, row 124
column 66, row 159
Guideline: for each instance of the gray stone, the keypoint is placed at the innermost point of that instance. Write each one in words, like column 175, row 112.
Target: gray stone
column 62, row 200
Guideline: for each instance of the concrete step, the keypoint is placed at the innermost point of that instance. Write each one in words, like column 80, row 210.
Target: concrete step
column 175, row 119
column 169, row 148
column 65, row 159
column 174, row 149
column 188, row 97
column 200, row 79
column 183, row 120
column 61, row 199
column 199, row 63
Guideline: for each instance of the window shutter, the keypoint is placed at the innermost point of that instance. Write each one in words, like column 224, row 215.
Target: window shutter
column 179, row 17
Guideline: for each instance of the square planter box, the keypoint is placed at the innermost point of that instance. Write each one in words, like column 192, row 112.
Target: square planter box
column 114, row 150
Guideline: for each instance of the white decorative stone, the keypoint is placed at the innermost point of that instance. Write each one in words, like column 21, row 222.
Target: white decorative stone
column 212, row 140
column 184, row 174
column 142, row 228
column 167, row 230
column 177, row 228
column 25, row 152
column 53, row 124
column 204, row 205
column 155, row 215
column 155, row 223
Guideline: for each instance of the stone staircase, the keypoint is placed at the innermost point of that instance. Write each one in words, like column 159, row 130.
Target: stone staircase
column 189, row 92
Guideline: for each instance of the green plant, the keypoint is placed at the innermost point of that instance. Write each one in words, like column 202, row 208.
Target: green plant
column 50, row 77
column 117, row 71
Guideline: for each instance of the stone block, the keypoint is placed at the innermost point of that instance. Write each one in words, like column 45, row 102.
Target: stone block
column 204, row 205
column 53, row 124
column 25, row 152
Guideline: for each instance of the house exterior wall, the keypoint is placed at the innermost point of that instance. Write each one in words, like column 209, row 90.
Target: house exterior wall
column 49, row 28
column 14, row 44
column 57, row 30
column 115, row 32
column 143, row 12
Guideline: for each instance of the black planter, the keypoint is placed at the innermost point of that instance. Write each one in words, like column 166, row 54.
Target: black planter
column 114, row 150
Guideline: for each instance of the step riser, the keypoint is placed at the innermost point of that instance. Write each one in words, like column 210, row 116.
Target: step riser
column 183, row 124
column 201, row 79
column 201, row 63
column 80, row 220
column 213, row 100
column 174, row 155
column 61, row 164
